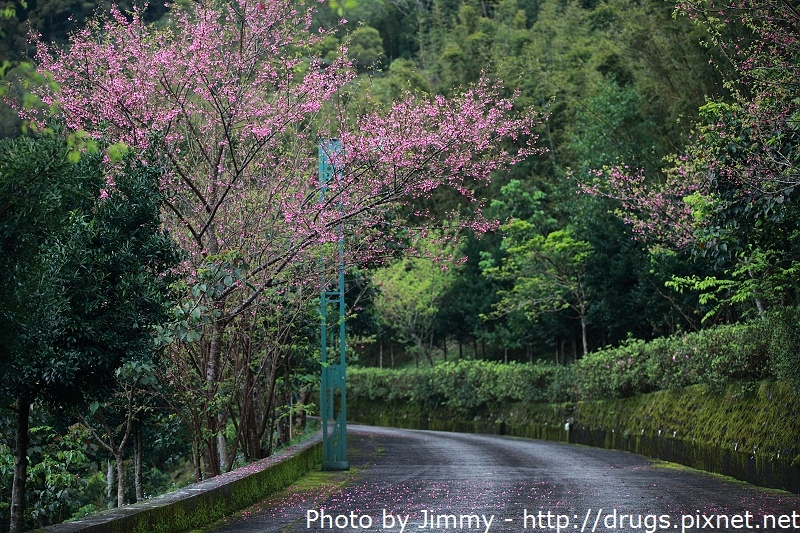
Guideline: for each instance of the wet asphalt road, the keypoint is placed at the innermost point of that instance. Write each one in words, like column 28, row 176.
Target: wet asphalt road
column 415, row 481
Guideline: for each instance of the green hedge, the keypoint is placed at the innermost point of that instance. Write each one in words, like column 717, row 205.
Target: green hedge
column 461, row 384
column 716, row 357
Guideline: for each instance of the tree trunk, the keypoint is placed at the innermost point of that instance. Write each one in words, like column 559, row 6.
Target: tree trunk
column 430, row 349
column 428, row 354
column 305, row 395
column 222, row 442
column 210, row 455
column 251, row 444
column 762, row 314
column 583, row 334
column 286, row 433
column 120, row 479
column 137, row 462
column 196, row 461
column 110, row 500
column 267, row 420
column 20, row 465
column 272, row 428
column 212, row 452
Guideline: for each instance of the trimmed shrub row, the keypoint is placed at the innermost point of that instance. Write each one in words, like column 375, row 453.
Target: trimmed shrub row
column 716, row 357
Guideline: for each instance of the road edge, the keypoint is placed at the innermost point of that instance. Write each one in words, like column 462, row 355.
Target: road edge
column 673, row 426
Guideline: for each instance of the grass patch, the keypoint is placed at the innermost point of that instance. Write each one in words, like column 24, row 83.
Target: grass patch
column 315, row 486
column 318, row 480
column 667, row 465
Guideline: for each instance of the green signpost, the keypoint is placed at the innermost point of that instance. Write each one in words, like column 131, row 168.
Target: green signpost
column 333, row 398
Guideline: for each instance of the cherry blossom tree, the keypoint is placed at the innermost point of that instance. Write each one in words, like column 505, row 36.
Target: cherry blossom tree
column 745, row 150
column 732, row 196
column 235, row 101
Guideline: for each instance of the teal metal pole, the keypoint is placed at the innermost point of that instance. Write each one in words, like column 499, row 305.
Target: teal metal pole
column 333, row 404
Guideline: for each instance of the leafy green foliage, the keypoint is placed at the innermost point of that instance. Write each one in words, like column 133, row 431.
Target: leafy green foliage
column 611, row 129
column 784, row 342
column 462, row 385
column 409, row 295
column 365, row 48
column 544, row 269
column 62, row 479
column 88, row 265
column 469, row 296
column 716, row 357
column 101, row 285
column 58, row 483
column 547, row 270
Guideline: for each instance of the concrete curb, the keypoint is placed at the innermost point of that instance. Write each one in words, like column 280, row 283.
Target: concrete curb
column 200, row 504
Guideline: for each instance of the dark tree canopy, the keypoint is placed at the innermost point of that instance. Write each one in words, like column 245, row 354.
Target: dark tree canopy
column 87, row 265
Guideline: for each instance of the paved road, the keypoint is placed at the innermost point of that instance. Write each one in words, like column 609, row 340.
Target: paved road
column 414, row 481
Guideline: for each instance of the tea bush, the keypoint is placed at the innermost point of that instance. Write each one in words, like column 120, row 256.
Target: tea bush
column 716, row 357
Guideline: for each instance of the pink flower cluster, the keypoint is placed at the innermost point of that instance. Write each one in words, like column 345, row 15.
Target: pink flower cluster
column 233, row 101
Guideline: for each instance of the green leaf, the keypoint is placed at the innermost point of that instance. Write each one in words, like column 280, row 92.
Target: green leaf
column 116, row 152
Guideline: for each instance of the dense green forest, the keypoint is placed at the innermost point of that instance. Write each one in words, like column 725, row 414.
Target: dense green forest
column 627, row 85
column 148, row 343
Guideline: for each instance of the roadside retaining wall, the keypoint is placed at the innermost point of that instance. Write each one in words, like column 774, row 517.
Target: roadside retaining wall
column 203, row 503
column 752, row 436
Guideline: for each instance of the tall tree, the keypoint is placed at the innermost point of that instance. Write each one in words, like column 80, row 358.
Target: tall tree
column 548, row 275
column 731, row 196
column 87, row 267
column 410, row 293
column 230, row 93
column 543, row 266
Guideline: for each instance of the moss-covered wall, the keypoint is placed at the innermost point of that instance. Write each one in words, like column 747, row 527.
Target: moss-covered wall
column 750, row 435
column 203, row 503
